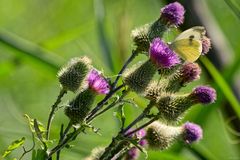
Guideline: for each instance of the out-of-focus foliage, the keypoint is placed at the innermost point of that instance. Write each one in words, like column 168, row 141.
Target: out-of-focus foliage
column 36, row 37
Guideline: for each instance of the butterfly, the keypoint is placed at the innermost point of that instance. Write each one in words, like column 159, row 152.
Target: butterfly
column 188, row 44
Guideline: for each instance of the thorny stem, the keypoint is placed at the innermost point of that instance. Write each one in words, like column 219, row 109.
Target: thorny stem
column 66, row 141
column 139, row 118
column 54, row 107
column 129, row 60
column 101, row 103
column 109, row 106
column 123, row 132
column 142, row 126
column 61, row 135
column 108, row 149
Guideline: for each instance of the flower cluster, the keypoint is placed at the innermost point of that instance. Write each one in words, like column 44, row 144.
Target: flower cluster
column 176, row 69
column 167, row 68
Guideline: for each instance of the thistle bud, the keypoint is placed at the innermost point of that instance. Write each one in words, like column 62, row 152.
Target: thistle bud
column 172, row 14
column 161, row 136
column 156, row 29
column 78, row 108
column 140, row 38
column 203, row 94
column 138, row 77
column 187, row 73
column 172, row 107
column 81, row 105
column 72, row 75
column 191, row 132
column 161, row 55
column 206, row 45
column 154, row 90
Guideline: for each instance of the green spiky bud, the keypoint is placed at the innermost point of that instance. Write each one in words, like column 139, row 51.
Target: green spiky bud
column 139, row 76
column 154, row 90
column 172, row 107
column 164, row 72
column 96, row 153
column 161, row 136
column 140, row 38
column 78, row 108
column 157, row 29
column 187, row 73
column 72, row 75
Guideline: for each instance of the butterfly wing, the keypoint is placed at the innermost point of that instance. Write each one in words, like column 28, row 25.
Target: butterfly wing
column 188, row 44
column 186, row 49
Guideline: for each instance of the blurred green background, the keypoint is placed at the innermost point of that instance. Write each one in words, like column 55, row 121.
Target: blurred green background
column 38, row 36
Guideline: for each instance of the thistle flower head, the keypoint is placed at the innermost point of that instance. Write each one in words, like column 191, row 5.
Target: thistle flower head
column 192, row 132
column 190, row 72
column 72, row 75
column 204, row 94
column 97, row 82
column 206, row 45
column 161, row 55
column 173, row 13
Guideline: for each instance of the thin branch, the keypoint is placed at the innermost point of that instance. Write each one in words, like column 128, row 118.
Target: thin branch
column 101, row 103
column 54, row 107
column 129, row 60
column 139, row 118
column 109, row 106
column 27, row 151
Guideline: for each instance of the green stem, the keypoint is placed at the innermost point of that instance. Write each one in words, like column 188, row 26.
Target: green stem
column 109, row 106
column 65, row 141
column 54, row 107
column 139, row 118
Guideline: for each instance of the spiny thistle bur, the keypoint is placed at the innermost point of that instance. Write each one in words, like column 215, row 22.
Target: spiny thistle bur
column 78, row 108
column 171, row 107
column 171, row 15
column 72, row 75
column 161, row 136
column 161, row 56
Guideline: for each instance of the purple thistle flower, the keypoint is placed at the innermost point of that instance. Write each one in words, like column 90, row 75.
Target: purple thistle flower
column 162, row 55
column 132, row 154
column 97, row 82
column 206, row 45
column 143, row 142
column 190, row 72
column 173, row 13
column 192, row 132
column 204, row 94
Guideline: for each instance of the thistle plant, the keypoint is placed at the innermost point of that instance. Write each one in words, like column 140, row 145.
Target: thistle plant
column 158, row 79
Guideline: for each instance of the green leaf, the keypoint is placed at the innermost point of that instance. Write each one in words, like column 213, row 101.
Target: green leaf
column 14, row 145
column 31, row 124
column 39, row 155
